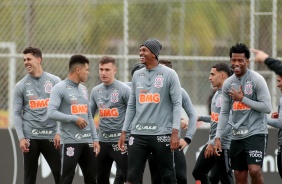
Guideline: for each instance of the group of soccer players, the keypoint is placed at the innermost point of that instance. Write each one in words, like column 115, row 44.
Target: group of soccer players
column 142, row 121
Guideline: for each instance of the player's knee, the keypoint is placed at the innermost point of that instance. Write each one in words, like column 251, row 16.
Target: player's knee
column 255, row 171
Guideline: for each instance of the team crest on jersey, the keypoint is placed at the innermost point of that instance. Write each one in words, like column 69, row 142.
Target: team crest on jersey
column 114, row 96
column 158, row 82
column 48, row 86
column 84, row 94
column 218, row 102
column 248, row 89
column 130, row 142
column 70, row 151
column 100, row 91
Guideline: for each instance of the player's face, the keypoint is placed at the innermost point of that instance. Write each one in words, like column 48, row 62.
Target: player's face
column 216, row 78
column 107, row 73
column 31, row 63
column 145, row 55
column 239, row 64
column 279, row 82
column 83, row 72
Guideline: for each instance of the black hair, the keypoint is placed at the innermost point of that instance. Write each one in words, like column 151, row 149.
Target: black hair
column 240, row 48
column 77, row 59
column 36, row 52
column 166, row 62
column 223, row 67
column 135, row 67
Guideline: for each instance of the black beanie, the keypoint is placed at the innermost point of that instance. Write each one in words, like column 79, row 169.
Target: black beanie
column 135, row 67
column 153, row 45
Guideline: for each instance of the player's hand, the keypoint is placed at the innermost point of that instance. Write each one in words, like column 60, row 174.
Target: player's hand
column 174, row 141
column 57, row 139
column 96, row 148
column 209, row 151
column 274, row 115
column 121, row 141
column 182, row 144
column 236, row 95
column 260, row 56
column 24, row 145
column 217, row 147
column 184, row 123
column 81, row 123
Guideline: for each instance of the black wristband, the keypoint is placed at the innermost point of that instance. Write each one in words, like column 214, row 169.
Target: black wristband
column 187, row 140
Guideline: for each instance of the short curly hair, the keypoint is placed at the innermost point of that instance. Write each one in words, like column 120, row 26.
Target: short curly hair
column 240, row 48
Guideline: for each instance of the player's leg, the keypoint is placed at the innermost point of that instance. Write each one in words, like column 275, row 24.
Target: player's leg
column 118, row 177
column 154, row 169
column 213, row 175
column 87, row 163
column 279, row 161
column 137, row 148
column 52, row 156
column 239, row 161
column 70, row 154
column 120, row 157
column 224, row 167
column 255, row 149
column 180, row 167
column 31, row 161
column 160, row 146
column 203, row 166
column 104, row 163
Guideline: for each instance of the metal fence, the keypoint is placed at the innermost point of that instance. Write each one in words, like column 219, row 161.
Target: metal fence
column 195, row 35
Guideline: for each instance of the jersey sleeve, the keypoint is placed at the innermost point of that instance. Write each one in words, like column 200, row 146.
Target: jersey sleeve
column 92, row 126
column 93, row 105
column 18, row 104
column 275, row 65
column 263, row 102
column 224, row 111
column 191, row 113
column 276, row 123
column 54, row 104
column 131, row 107
column 176, row 98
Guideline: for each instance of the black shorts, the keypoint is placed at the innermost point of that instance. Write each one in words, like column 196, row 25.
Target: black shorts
column 250, row 150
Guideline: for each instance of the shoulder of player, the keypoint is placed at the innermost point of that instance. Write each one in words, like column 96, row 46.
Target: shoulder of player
column 23, row 80
column 99, row 86
column 121, row 85
column 256, row 76
column 52, row 77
